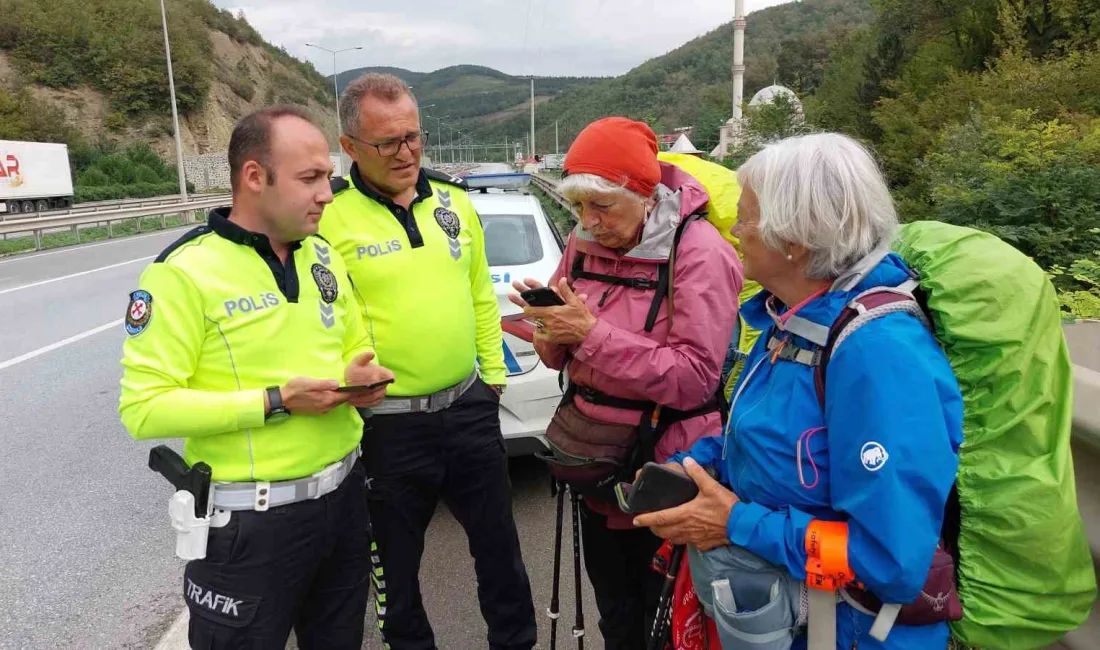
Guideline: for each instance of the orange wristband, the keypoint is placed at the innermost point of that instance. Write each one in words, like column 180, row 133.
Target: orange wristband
column 827, row 555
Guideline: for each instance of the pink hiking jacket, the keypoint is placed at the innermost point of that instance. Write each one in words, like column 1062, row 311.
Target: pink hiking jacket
column 677, row 368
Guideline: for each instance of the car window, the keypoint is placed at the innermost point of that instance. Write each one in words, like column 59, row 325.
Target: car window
column 511, row 239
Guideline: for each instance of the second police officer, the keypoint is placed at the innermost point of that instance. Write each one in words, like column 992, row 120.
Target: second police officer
column 415, row 251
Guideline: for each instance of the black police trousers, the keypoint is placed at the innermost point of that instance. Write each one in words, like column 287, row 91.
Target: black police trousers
column 303, row 565
column 457, row 454
column 619, row 565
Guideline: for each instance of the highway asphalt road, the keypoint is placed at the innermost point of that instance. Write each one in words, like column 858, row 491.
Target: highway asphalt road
column 86, row 552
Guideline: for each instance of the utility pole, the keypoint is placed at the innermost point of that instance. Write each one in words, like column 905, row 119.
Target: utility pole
column 172, row 95
column 532, row 116
column 557, row 147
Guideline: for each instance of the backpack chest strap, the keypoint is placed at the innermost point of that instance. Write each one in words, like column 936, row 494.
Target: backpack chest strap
column 783, row 350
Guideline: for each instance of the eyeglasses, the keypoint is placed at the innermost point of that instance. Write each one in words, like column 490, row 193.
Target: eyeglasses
column 390, row 148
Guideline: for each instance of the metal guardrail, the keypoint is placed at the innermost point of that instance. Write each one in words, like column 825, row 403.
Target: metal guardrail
column 1085, row 443
column 103, row 206
column 74, row 220
column 550, row 187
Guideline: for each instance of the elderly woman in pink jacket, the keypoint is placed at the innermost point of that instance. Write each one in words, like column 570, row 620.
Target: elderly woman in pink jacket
column 637, row 355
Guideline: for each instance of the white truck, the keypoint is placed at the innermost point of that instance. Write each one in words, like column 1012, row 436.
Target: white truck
column 34, row 177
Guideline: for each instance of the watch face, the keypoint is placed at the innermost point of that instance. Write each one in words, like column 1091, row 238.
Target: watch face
column 277, row 416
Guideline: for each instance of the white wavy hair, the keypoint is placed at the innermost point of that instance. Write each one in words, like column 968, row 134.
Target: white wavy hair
column 577, row 186
column 824, row 192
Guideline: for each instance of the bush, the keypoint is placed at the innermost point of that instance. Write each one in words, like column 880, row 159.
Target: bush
column 1085, row 273
column 1034, row 183
column 115, row 192
column 22, row 117
column 116, row 122
column 93, row 178
column 238, row 81
column 145, row 174
column 107, row 172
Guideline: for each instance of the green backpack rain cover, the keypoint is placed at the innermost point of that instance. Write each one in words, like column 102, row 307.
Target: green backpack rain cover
column 1025, row 569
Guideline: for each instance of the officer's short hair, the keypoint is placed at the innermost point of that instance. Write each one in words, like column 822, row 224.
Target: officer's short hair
column 251, row 139
column 385, row 87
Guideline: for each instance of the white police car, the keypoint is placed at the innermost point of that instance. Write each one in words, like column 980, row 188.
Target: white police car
column 520, row 242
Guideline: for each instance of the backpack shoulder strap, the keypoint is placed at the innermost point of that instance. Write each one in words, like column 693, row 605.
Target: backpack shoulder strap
column 864, row 308
column 664, row 281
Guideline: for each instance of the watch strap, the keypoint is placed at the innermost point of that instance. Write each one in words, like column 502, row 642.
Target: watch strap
column 275, row 400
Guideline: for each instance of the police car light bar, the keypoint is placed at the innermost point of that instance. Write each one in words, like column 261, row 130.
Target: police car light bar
column 517, row 181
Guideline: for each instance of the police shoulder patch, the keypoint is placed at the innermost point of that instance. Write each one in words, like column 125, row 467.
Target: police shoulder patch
column 326, row 282
column 138, row 312
column 443, row 177
column 338, row 184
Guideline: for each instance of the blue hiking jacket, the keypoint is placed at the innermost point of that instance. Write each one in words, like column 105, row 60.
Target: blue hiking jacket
column 885, row 462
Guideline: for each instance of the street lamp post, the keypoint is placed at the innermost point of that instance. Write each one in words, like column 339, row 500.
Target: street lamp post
column 175, row 115
column 420, row 116
column 335, row 84
column 439, row 135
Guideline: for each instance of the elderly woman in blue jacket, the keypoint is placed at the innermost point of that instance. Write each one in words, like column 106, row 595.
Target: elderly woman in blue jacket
column 855, row 490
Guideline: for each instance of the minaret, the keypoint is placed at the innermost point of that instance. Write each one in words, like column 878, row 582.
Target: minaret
column 738, row 58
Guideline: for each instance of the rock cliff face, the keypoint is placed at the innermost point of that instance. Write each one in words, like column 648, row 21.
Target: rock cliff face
column 207, row 129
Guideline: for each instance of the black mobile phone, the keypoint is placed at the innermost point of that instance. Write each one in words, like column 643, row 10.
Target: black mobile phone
column 364, row 387
column 656, row 488
column 541, row 297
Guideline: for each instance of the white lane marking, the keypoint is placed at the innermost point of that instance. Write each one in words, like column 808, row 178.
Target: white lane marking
column 73, row 275
column 60, row 344
column 80, row 247
column 176, row 636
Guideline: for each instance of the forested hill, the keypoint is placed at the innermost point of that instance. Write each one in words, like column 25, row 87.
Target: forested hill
column 690, row 86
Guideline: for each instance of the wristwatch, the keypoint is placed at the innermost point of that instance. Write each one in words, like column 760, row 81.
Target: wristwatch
column 279, row 411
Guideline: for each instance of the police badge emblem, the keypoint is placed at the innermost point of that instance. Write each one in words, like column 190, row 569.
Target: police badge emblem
column 448, row 221
column 138, row 312
column 326, row 282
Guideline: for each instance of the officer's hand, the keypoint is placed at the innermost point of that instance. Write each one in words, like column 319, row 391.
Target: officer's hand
column 361, row 372
column 303, row 395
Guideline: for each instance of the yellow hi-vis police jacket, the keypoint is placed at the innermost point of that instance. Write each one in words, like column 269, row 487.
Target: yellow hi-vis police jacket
column 422, row 280
column 216, row 320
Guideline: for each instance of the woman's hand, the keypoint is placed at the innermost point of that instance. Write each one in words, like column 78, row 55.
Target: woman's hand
column 564, row 325
column 520, row 287
column 700, row 522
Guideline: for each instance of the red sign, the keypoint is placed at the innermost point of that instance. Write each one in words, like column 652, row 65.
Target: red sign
column 12, row 166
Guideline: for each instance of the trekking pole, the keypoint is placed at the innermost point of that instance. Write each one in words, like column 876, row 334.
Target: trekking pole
column 578, row 629
column 662, row 622
column 554, row 613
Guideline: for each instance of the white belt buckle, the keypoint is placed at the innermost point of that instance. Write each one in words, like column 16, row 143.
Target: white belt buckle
column 326, row 479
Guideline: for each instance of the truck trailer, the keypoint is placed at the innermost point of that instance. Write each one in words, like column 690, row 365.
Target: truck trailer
column 34, row 177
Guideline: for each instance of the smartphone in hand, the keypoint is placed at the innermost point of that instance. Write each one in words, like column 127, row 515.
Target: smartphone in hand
column 542, row 297
column 364, row 388
column 657, row 488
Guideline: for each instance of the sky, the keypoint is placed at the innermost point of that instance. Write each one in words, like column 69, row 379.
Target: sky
column 519, row 37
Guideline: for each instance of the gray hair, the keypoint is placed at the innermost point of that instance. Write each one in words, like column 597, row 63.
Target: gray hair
column 577, row 186
column 385, row 87
column 824, row 192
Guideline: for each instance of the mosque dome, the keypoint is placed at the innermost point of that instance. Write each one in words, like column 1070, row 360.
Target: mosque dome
column 768, row 95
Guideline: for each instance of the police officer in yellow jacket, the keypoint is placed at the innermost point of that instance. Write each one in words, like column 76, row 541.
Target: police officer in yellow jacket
column 239, row 336
column 415, row 251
